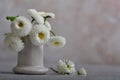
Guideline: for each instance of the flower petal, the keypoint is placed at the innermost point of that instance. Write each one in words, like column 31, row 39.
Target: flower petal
column 21, row 26
column 39, row 35
column 13, row 42
column 57, row 41
column 38, row 18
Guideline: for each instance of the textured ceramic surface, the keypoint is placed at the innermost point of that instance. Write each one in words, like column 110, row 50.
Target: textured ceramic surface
column 30, row 70
column 31, row 59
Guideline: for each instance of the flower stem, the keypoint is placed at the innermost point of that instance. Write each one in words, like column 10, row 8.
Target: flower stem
column 54, row 70
column 45, row 18
column 5, row 34
column 52, row 33
column 32, row 20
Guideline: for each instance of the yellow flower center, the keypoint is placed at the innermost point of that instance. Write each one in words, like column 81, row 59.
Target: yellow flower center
column 56, row 43
column 20, row 24
column 68, row 66
column 41, row 35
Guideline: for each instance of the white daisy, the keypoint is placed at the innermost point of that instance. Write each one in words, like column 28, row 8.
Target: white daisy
column 39, row 35
column 57, row 41
column 66, row 67
column 13, row 42
column 47, row 24
column 47, row 14
column 35, row 15
column 21, row 26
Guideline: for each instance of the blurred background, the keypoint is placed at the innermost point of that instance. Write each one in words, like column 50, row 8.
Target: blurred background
column 91, row 28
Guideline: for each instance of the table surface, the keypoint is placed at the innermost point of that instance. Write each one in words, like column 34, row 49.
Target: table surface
column 94, row 72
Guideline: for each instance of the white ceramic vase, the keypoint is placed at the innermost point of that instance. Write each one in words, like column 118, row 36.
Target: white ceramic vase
column 30, row 59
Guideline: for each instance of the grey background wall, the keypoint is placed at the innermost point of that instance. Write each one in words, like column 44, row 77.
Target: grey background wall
column 91, row 28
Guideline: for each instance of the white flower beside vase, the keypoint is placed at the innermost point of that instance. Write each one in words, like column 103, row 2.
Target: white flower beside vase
column 28, row 38
column 67, row 67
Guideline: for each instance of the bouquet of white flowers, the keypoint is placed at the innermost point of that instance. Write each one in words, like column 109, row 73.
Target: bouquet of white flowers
column 38, row 30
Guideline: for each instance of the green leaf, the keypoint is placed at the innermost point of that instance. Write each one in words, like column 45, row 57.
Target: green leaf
column 11, row 18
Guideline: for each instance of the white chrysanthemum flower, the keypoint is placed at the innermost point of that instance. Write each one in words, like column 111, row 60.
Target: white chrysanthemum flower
column 47, row 14
column 39, row 35
column 21, row 26
column 82, row 71
column 47, row 24
column 66, row 67
column 35, row 15
column 14, row 42
column 57, row 41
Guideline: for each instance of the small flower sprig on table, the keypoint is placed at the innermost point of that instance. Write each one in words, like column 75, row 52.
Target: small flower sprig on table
column 68, row 67
column 38, row 30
